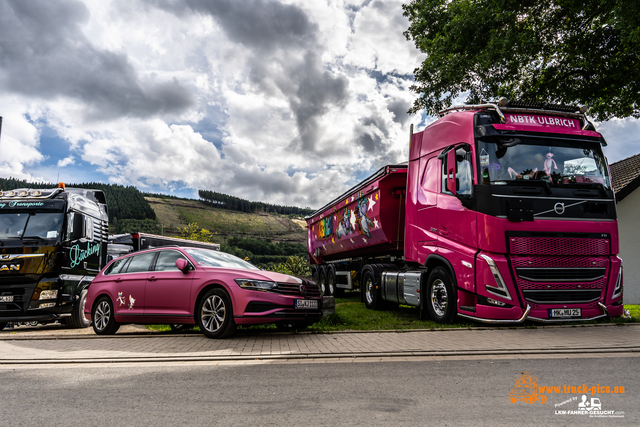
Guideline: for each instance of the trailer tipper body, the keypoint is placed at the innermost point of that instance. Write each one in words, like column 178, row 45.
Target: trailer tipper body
column 504, row 212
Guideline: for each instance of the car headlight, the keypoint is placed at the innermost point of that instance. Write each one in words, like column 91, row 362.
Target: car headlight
column 256, row 285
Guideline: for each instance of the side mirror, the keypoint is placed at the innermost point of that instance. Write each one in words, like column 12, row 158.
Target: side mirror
column 182, row 265
column 451, row 171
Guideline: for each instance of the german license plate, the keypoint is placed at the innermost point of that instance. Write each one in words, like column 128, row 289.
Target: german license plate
column 565, row 312
column 6, row 298
column 306, row 304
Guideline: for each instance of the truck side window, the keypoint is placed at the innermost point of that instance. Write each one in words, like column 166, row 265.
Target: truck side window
column 464, row 172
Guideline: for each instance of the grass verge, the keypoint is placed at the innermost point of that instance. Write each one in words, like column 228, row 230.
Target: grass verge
column 351, row 315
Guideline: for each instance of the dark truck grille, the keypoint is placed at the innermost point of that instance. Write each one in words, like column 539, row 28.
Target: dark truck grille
column 562, row 296
column 561, row 274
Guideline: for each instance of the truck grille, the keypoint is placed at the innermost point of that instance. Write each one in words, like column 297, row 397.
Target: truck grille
column 564, row 246
column 562, row 296
column 561, row 274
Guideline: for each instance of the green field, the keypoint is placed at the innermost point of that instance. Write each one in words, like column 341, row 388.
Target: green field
column 178, row 213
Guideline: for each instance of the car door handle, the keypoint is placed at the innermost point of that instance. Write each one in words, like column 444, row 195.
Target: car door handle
column 118, row 280
column 444, row 231
column 152, row 279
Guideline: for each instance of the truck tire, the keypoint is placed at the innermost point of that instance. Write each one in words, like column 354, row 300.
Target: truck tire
column 321, row 281
column 330, row 281
column 77, row 319
column 441, row 298
column 371, row 289
column 103, row 315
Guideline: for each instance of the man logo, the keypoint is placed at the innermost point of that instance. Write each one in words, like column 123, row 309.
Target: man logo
column 559, row 208
column 10, row 267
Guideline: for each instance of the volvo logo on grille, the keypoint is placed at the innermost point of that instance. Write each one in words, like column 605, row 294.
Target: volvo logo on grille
column 559, row 208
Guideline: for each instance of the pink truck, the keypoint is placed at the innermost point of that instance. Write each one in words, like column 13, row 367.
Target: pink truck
column 504, row 212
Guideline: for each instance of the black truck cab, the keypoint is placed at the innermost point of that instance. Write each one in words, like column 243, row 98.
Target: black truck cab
column 53, row 242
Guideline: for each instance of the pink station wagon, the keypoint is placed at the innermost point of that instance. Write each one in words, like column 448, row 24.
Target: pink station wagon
column 193, row 286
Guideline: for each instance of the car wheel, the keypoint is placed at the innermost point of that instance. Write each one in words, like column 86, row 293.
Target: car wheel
column 104, row 322
column 215, row 314
column 77, row 319
column 441, row 298
column 372, row 297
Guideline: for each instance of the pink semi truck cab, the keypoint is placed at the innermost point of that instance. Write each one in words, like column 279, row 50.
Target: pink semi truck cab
column 504, row 212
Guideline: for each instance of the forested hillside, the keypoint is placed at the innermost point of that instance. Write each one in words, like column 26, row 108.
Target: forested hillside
column 224, row 201
column 123, row 202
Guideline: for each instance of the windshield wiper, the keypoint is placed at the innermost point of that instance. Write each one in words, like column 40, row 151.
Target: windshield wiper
column 595, row 185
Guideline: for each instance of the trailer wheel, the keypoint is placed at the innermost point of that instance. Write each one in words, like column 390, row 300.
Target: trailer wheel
column 370, row 287
column 321, row 277
column 77, row 319
column 441, row 298
column 330, row 281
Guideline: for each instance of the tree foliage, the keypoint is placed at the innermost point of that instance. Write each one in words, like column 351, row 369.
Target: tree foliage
column 559, row 51
column 193, row 232
column 224, row 201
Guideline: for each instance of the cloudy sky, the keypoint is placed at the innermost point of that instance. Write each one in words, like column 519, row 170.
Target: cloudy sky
column 283, row 101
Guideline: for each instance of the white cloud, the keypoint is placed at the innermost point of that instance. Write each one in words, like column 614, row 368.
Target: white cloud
column 66, row 162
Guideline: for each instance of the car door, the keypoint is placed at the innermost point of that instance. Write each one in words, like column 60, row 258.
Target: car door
column 168, row 290
column 129, row 286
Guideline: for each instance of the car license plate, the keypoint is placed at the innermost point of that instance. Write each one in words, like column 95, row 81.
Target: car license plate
column 6, row 298
column 565, row 312
column 306, row 304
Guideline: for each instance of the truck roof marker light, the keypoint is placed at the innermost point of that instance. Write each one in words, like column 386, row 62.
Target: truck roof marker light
column 22, row 193
column 61, row 185
column 35, row 193
column 500, row 289
column 503, row 102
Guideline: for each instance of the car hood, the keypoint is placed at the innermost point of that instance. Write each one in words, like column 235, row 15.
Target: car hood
column 258, row 275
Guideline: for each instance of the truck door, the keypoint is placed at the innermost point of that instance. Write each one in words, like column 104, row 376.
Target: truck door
column 426, row 204
column 457, row 224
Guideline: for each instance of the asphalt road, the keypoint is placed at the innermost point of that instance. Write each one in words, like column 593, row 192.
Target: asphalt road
column 436, row 391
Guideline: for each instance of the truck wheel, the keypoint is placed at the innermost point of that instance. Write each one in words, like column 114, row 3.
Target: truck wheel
column 441, row 299
column 104, row 321
column 321, row 281
column 77, row 319
column 215, row 314
column 330, row 281
column 372, row 297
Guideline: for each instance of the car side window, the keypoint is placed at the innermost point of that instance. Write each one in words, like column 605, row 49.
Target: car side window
column 115, row 266
column 141, row 263
column 167, row 260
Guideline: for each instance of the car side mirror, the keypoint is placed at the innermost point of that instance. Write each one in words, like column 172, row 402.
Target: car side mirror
column 182, row 265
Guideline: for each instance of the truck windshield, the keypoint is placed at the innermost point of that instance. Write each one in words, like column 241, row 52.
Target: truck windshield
column 43, row 225
column 505, row 160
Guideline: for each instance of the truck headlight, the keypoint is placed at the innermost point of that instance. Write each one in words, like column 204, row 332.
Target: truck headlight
column 618, row 289
column 500, row 289
column 256, row 285
column 49, row 294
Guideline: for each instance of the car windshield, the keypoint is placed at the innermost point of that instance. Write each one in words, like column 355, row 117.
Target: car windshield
column 561, row 163
column 209, row 258
column 45, row 225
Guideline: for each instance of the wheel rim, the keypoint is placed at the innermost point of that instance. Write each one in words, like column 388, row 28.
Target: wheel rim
column 82, row 318
column 439, row 297
column 330, row 283
column 102, row 315
column 213, row 313
column 368, row 286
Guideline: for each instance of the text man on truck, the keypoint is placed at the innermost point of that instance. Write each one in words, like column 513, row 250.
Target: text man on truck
column 504, row 212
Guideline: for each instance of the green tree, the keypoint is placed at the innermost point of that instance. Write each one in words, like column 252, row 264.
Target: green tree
column 559, row 51
column 193, row 232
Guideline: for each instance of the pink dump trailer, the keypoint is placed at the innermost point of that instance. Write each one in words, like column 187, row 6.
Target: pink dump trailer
column 504, row 212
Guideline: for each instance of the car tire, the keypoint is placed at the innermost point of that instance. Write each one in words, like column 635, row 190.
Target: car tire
column 103, row 315
column 214, row 314
column 77, row 319
column 441, row 297
column 371, row 290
